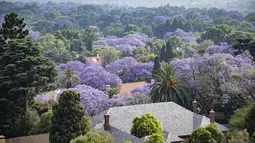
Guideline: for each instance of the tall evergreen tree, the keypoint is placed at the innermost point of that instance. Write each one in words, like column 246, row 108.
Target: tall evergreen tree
column 13, row 27
column 169, row 51
column 156, row 65
column 23, row 74
column 68, row 118
column 162, row 53
column 174, row 25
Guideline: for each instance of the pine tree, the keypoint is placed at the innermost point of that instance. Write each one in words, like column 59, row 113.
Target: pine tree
column 169, row 51
column 23, row 74
column 13, row 27
column 156, row 65
column 162, row 53
column 174, row 25
column 68, row 118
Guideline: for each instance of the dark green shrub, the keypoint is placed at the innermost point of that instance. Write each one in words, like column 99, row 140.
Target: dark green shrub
column 155, row 138
column 201, row 135
column 106, row 135
column 146, row 125
column 45, row 122
column 216, row 134
column 250, row 121
column 67, row 121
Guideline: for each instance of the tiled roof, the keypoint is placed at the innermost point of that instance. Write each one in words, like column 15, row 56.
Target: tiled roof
column 126, row 88
column 174, row 118
column 93, row 59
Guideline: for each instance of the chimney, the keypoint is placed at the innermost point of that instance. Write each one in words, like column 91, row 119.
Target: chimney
column 2, row 139
column 194, row 105
column 98, row 57
column 106, row 121
column 212, row 116
column 152, row 81
column 119, row 83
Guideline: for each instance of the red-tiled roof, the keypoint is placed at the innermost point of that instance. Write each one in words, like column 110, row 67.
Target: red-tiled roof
column 128, row 87
column 94, row 58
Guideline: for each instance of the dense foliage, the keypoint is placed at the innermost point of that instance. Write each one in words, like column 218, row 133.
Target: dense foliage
column 67, row 120
column 155, row 138
column 146, row 125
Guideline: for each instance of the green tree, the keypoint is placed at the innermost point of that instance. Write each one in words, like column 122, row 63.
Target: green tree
column 155, row 138
column 201, row 135
column 109, row 54
column 156, row 66
column 88, row 37
column 245, row 44
column 13, row 27
column 146, row 125
column 250, row 121
column 237, row 121
column 67, row 121
column 216, row 134
column 69, row 78
column 169, row 86
column 111, row 91
column 218, row 33
column 239, row 136
column 24, row 73
column 43, row 126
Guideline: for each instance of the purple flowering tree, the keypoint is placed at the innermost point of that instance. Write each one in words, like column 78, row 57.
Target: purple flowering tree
column 96, row 76
column 222, row 48
column 93, row 100
column 219, row 77
column 161, row 18
column 145, row 90
column 133, row 99
column 185, row 36
column 129, row 70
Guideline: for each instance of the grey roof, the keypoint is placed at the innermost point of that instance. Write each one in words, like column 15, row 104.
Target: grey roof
column 174, row 118
column 173, row 138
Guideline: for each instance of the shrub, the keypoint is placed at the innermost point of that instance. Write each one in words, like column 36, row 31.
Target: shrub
column 146, row 125
column 80, row 139
column 106, row 135
column 201, row 135
column 67, row 120
column 241, row 136
column 155, row 138
column 95, row 136
column 127, row 142
column 216, row 134
column 30, row 122
column 44, row 124
column 237, row 121
column 86, row 124
column 250, row 121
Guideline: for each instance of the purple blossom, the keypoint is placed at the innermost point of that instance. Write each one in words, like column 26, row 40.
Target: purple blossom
column 234, row 13
column 42, row 97
column 96, row 76
column 205, row 17
column 124, row 100
column 129, row 70
column 34, row 34
column 253, row 22
column 93, row 100
column 222, row 48
column 145, row 90
column 185, row 36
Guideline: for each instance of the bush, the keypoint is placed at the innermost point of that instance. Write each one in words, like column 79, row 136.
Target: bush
column 237, row 121
column 146, row 125
column 67, row 120
column 95, row 136
column 80, row 139
column 201, row 135
column 250, row 121
column 44, row 124
column 238, row 136
column 155, row 138
column 216, row 134
column 30, row 122
column 87, row 124
column 127, row 142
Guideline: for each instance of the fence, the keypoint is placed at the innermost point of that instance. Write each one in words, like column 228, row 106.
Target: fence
column 42, row 138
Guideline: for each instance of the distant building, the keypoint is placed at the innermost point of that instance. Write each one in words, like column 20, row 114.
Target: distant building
column 96, row 59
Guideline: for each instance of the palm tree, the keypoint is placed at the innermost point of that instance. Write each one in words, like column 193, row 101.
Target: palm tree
column 169, row 86
column 69, row 78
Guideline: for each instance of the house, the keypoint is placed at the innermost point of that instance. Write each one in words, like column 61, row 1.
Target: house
column 177, row 122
